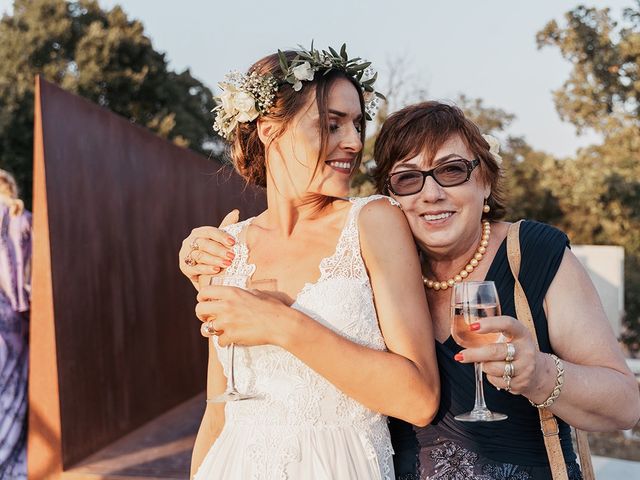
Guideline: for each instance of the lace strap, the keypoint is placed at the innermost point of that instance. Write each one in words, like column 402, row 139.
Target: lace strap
column 359, row 202
column 239, row 265
column 347, row 260
column 235, row 228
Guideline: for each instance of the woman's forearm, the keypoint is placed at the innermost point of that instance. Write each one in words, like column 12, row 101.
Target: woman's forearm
column 382, row 381
column 593, row 398
column 209, row 430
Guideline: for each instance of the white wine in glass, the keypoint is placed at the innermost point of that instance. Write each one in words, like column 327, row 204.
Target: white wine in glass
column 470, row 303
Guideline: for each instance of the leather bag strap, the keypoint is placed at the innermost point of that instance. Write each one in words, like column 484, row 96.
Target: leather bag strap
column 548, row 422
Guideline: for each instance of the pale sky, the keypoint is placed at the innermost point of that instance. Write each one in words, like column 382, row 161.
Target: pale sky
column 483, row 48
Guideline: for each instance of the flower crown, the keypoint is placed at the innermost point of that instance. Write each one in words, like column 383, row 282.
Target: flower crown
column 247, row 96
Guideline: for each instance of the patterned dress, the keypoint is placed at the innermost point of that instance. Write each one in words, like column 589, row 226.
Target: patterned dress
column 301, row 426
column 15, row 258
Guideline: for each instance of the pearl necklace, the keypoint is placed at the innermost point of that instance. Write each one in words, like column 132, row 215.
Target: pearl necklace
column 470, row 267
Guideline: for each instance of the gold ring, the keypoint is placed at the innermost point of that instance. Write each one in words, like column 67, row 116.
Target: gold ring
column 194, row 244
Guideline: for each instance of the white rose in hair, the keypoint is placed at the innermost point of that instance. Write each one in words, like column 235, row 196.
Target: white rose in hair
column 246, row 106
column 303, row 72
column 494, row 148
column 227, row 99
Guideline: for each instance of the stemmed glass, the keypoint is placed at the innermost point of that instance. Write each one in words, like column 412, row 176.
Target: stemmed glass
column 231, row 394
column 470, row 303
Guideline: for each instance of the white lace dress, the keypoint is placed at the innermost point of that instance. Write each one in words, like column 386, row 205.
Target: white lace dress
column 301, row 426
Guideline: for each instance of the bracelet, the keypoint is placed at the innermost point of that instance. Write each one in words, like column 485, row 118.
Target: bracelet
column 557, row 388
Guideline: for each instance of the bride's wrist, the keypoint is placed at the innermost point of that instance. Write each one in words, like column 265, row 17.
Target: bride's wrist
column 290, row 329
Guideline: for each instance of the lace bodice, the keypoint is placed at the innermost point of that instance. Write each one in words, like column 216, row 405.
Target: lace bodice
column 293, row 397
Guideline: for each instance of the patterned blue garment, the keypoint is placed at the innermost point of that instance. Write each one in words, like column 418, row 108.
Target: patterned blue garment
column 15, row 259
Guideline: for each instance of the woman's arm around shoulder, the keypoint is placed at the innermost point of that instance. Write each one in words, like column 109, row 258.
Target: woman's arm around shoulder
column 392, row 261
column 402, row 382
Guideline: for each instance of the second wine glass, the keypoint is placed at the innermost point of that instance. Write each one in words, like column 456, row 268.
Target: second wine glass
column 470, row 303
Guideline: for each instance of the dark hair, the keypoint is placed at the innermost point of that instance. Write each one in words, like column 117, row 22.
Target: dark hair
column 425, row 127
column 248, row 151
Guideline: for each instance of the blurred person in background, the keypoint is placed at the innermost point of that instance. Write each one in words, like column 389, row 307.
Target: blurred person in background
column 15, row 293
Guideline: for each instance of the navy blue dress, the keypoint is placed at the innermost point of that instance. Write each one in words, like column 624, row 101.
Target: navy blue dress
column 511, row 449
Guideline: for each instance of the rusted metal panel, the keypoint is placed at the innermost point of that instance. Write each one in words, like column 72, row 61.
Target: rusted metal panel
column 112, row 202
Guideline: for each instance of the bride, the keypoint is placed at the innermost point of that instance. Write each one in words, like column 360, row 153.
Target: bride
column 348, row 340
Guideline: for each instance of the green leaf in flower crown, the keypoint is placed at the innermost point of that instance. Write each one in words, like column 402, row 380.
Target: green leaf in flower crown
column 334, row 53
column 381, row 96
column 283, row 62
column 343, row 52
column 372, row 80
column 362, row 66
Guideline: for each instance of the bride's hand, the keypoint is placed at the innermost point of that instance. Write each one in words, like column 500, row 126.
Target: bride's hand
column 245, row 317
column 207, row 250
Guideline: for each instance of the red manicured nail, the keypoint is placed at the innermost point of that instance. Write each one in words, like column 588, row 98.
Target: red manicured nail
column 459, row 357
column 231, row 241
column 230, row 255
column 474, row 326
column 226, row 262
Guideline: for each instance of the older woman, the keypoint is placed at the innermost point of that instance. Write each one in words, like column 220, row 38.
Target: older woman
column 437, row 165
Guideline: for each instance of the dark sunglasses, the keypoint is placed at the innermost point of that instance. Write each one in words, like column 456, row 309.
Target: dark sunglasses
column 450, row 174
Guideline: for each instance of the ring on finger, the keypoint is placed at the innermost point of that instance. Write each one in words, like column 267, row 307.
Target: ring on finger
column 207, row 329
column 189, row 260
column 507, row 381
column 194, row 244
column 509, row 370
column 511, row 352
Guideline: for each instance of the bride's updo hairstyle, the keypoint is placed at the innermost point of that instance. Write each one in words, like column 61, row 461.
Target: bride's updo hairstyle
column 248, row 151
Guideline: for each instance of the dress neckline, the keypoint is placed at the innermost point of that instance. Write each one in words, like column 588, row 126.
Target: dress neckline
column 307, row 285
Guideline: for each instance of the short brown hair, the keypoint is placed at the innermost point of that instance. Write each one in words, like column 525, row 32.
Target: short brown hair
column 248, row 151
column 425, row 127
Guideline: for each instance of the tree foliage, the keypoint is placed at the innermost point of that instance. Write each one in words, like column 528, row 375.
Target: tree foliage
column 595, row 195
column 603, row 89
column 599, row 190
column 100, row 55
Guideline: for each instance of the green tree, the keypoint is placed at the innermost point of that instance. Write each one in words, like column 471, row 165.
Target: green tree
column 599, row 190
column 100, row 55
column 603, row 89
column 526, row 170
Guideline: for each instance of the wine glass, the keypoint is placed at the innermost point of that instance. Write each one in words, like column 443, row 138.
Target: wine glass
column 231, row 394
column 470, row 303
